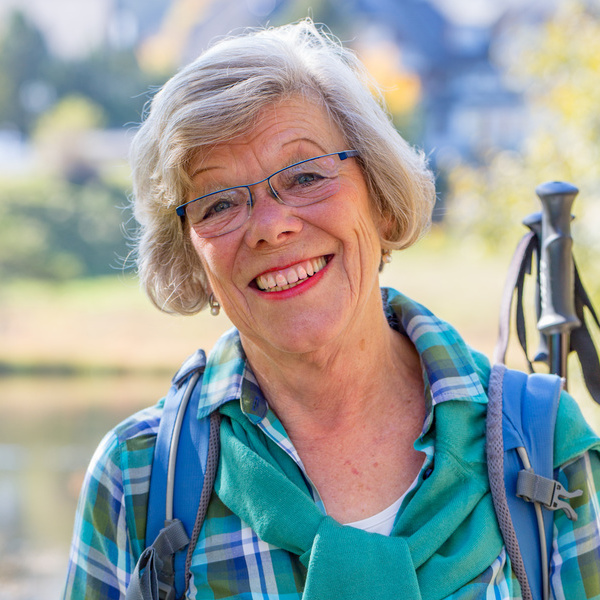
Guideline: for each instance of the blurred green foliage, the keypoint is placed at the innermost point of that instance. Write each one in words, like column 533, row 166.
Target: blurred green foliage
column 66, row 219
column 24, row 65
column 71, row 113
column 53, row 229
column 32, row 79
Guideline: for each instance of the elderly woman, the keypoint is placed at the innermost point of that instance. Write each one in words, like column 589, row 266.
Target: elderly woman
column 270, row 183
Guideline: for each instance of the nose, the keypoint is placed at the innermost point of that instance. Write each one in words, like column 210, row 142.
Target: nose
column 271, row 222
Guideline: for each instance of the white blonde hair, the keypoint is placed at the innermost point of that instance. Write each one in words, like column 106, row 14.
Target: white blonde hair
column 216, row 98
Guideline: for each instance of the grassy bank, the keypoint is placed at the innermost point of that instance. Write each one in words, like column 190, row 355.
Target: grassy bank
column 107, row 327
column 98, row 326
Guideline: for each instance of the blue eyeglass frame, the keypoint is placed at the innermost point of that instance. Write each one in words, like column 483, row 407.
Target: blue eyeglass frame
column 180, row 210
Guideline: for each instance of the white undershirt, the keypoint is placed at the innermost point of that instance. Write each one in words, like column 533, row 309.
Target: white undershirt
column 382, row 522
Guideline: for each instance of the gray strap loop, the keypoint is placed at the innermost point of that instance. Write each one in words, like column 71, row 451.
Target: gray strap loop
column 582, row 342
column 520, row 265
column 158, row 558
column 144, row 580
column 171, row 539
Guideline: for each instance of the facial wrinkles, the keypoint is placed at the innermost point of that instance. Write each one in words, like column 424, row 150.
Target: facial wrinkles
column 223, row 174
column 273, row 145
column 293, row 141
column 366, row 246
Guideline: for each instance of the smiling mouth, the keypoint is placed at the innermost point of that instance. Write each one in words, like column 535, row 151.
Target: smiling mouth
column 284, row 279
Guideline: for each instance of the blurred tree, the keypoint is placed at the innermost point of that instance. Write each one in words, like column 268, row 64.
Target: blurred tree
column 24, row 64
column 557, row 66
column 60, row 137
column 52, row 229
column 65, row 220
column 32, row 80
column 110, row 78
column 71, row 113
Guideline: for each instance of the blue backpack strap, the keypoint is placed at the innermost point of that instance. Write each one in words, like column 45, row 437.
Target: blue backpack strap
column 529, row 406
column 158, row 482
column 520, row 430
column 164, row 533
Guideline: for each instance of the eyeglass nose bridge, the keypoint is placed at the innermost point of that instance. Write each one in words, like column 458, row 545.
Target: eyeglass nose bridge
column 270, row 189
column 251, row 197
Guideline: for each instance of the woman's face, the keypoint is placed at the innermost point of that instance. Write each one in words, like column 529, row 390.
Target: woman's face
column 337, row 238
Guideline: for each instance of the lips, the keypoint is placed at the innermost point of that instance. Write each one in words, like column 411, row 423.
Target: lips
column 284, row 279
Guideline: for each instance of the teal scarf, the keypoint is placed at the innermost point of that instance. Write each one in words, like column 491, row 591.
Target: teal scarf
column 446, row 536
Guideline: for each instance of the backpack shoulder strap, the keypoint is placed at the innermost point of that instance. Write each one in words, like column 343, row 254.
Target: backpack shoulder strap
column 176, row 403
column 520, row 441
column 183, row 471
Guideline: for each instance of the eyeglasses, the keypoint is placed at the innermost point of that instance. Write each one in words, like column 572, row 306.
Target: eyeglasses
column 301, row 184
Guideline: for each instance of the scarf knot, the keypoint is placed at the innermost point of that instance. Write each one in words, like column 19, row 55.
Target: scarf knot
column 444, row 537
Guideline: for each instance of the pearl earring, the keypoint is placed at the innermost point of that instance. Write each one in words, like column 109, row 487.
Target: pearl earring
column 386, row 256
column 215, row 307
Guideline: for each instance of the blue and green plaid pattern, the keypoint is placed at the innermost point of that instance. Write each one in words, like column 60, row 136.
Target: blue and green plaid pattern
column 230, row 561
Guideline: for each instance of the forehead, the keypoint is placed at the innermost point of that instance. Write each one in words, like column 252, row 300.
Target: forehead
column 292, row 129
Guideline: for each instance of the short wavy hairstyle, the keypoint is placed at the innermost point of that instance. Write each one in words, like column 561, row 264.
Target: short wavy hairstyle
column 216, row 98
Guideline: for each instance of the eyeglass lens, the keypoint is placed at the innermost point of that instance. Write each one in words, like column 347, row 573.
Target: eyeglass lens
column 299, row 185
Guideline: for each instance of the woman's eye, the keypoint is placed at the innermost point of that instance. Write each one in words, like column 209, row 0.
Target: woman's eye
column 307, row 178
column 218, row 207
column 222, row 204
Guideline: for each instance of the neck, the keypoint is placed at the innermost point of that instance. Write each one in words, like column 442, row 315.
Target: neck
column 367, row 371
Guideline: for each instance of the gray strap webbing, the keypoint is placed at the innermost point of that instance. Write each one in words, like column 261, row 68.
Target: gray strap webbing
column 520, row 266
column 581, row 339
column 212, row 464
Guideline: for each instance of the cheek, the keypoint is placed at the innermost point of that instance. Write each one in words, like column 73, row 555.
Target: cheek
column 217, row 256
column 206, row 254
column 354, row 211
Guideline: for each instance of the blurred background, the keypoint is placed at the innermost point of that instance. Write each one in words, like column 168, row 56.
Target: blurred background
column 501, row 94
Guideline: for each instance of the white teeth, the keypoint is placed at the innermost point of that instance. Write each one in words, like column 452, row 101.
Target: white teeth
column 287, row 278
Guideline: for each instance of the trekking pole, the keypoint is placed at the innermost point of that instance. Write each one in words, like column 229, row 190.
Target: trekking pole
column 557, row 283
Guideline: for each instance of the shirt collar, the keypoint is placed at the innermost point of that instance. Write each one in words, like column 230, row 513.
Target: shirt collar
column 223, row 374
column 451, row 370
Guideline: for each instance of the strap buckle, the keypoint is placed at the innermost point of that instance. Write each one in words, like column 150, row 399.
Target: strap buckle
column 547, row 492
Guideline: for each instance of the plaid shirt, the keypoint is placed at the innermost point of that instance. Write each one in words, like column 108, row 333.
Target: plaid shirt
column 230, row 561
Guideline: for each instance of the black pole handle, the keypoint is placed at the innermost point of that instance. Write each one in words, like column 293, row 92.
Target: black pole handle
column 556, row 259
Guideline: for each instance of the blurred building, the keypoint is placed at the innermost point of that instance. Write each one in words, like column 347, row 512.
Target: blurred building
column 446, row 69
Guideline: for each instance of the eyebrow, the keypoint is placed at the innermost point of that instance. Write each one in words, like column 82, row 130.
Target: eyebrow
column 297, row 154
column 294, row 158
column 205, row 169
